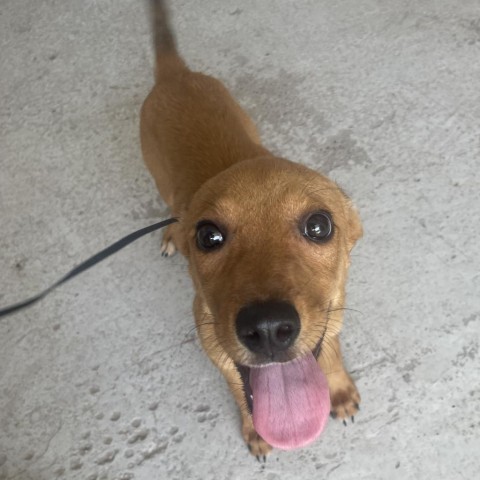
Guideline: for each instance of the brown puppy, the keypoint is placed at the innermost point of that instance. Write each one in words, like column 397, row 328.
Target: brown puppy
column 268, row 244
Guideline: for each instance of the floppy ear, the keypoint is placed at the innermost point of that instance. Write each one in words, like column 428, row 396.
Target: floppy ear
column 355, row 229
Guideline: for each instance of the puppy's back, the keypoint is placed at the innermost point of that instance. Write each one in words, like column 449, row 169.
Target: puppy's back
column 191, row 127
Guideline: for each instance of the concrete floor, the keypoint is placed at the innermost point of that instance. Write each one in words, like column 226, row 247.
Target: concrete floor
column 105, row 379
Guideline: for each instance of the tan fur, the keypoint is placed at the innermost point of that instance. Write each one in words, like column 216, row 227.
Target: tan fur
column 208, row 163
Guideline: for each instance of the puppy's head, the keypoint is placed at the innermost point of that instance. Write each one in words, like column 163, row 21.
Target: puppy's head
column 268, row 247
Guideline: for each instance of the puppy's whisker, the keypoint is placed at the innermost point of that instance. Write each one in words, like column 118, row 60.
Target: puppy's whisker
column 198, row 326
column 348, row 309
column 329, row 355
column 333, row 372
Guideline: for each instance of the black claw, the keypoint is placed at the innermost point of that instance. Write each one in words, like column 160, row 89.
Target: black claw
column 357, row 406
column 333, row 415
column 249, row 448
column 344, row 422
column 353, row 419
column 258, row 458
column 264, row 459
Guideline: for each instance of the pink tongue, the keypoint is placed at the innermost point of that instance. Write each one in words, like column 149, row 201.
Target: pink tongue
column 291, row 402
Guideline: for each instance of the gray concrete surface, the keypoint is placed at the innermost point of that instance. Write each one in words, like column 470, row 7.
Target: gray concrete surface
column 105, row 379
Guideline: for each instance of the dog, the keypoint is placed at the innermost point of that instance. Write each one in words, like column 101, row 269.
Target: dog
column 268, row 244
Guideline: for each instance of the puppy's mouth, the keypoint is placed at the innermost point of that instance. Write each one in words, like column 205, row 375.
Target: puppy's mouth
column 289, row 402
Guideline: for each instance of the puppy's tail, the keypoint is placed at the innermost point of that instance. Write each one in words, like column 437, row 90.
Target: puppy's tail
column 168, row 61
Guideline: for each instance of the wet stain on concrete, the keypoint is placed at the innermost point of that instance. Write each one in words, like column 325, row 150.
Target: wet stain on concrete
column 275, row 103
column 294, row 127
column 342, row 151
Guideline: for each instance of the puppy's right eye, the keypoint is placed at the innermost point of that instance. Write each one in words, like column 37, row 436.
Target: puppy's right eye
column 209, row 237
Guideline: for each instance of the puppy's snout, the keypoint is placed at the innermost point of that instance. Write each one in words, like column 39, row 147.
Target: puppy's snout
column 268, row 328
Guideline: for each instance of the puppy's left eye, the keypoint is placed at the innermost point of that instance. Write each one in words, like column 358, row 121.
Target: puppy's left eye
column 318, row 227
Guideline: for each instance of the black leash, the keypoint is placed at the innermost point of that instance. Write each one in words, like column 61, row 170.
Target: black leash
column 106, row 252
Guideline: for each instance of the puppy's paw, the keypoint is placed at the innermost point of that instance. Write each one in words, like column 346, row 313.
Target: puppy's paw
column 257, row 446
column 344, row 397
column 168, row 248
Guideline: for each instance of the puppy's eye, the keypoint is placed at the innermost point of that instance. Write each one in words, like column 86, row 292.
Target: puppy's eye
column 318, row 227
column 209, row 236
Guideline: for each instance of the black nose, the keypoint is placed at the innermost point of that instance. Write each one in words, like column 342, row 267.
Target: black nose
column 268, row 327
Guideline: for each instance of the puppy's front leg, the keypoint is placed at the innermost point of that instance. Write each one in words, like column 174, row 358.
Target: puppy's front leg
column 168, row 247
column 173, row 239
column 344, row 395
column 255, row 443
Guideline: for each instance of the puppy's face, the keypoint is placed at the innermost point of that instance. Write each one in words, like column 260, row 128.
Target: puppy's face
column 268, row 247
